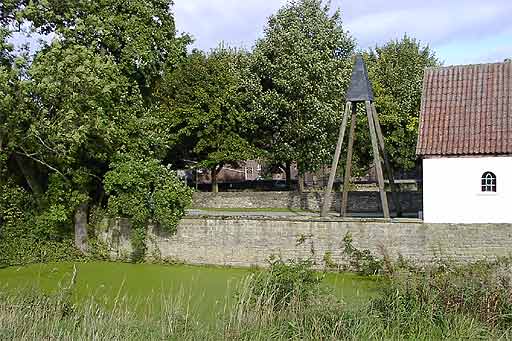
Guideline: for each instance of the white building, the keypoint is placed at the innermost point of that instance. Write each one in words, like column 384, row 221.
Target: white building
column 465, row 141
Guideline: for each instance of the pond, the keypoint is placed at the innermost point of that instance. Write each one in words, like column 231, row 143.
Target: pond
column 204, row 291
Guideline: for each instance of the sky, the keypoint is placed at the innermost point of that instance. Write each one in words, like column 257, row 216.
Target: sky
column 460, row 32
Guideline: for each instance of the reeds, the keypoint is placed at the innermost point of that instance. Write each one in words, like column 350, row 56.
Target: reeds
column 455, row 303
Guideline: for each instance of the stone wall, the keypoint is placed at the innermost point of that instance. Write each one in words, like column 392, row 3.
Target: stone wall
column 360, row 202
column 244, row 242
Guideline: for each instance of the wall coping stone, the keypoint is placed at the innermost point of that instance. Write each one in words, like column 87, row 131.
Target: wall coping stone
column 369, row 221
column 302, row 218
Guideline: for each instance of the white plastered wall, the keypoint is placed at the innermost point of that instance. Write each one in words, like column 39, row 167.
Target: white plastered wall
column 452, row 191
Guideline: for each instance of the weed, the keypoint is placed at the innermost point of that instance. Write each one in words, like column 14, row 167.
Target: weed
column 361, row 261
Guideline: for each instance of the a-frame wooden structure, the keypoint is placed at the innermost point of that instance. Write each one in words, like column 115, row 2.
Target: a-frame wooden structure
column 360, row 92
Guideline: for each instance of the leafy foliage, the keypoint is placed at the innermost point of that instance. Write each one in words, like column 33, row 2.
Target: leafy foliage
column 84, row 99
column 209, row 100
column 361, row 261
column 286, row 282
column 209, row 104
column 10, row 84
column 28, row 235
column 144, row 190
column 68, row 128
column 9, row 9
column 304, row 65
column 396, row 71
column 139, row 35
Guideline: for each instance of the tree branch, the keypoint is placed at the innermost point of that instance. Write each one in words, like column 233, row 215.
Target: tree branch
column 44, row 164
column 44, row 144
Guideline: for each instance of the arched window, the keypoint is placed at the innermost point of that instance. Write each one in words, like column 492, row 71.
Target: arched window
column 489, row 182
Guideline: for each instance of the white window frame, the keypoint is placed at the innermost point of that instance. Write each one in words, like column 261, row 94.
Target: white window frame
column 489, row 183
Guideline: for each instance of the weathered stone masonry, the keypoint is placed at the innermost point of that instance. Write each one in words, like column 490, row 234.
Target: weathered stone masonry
column 360, row 202
column 244, row 242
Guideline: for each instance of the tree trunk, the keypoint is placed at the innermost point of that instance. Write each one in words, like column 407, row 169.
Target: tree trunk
column 215, row 172
column 300, row 180
column 288, row 170
column 81, row 227
column 30, row 173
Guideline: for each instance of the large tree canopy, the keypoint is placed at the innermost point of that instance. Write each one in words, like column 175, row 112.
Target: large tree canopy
column 84, row 104
column 83, row 110
column 396, row 70
column 304, row 64
column 139, row 35
column 210, row 102
column 9, row 85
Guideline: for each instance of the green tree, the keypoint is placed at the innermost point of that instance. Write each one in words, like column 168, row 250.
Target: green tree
column 396, row 70
column 8, row 10
column 304, row 65
column 8, row 81
column 12, row 103
column 144, row 190
column 209, row 101
column 140, row 35
column 80, row 112
column 84, row 102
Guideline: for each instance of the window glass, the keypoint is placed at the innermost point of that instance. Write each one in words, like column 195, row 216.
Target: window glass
column 489, row 182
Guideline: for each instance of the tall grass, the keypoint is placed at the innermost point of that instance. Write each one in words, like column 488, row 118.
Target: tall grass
column 39, row 317
column 285, row 303
column 471, row 301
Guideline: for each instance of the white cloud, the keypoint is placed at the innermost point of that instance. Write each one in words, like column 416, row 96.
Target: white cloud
column 439, row 23
column 233, row 21
column 432, row 24
column 461, row 30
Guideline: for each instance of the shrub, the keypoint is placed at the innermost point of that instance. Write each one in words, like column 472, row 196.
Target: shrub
column 284, row 282
column 144, row 190
column 21, row 251
column 361, row 261
column 286, row 301
column 31, row 235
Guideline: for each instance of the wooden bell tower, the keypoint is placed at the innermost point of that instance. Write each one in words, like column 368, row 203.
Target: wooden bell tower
column 360, row 92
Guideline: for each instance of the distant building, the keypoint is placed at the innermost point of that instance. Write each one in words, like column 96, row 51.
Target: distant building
column 250, row 170
column 465, row 141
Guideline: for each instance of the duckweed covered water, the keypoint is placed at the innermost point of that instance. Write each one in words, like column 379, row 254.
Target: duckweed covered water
column 205, row 291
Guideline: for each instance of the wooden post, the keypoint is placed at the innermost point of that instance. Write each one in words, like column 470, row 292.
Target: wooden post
column 387, row 164
column 348, row 167
column 377, row 160
column 328, row 193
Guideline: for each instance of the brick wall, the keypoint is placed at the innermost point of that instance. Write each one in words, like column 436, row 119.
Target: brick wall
column 251, row 241
column 362, row 202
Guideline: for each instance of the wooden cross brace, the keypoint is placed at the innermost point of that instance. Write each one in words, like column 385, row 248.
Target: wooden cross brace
column 379, row 155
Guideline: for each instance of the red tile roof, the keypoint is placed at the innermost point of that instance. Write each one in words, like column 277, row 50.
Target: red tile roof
column 466, row 110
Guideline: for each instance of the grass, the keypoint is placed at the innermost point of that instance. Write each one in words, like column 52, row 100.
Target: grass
column 256, row 210
column 289, row 302
column 206, row 290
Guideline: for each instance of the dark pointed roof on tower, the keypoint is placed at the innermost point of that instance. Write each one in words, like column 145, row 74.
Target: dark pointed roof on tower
column 360, row 89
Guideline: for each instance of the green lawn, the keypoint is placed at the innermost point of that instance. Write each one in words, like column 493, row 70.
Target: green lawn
column 206, row 291
column 256, row 210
